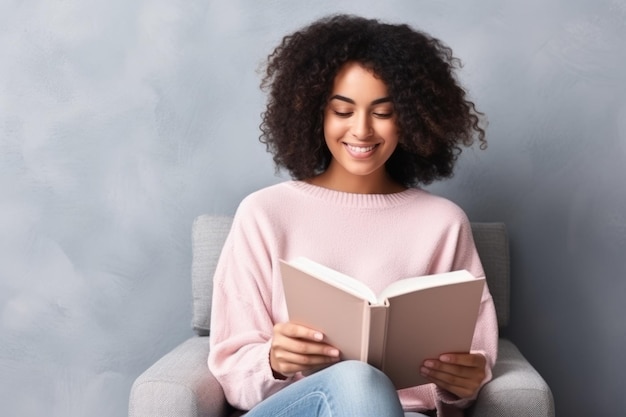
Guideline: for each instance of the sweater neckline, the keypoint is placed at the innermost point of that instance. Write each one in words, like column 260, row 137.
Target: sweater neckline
column 353, row 199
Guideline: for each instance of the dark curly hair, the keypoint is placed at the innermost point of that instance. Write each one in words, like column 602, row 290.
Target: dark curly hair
column 434, row 117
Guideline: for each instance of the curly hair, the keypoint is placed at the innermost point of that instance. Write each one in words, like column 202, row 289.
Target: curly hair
column 434, row 117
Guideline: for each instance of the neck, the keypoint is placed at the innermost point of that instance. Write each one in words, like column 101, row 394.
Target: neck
column 375, row 183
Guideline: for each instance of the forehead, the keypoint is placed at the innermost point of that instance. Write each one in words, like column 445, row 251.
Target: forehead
column 353, row 78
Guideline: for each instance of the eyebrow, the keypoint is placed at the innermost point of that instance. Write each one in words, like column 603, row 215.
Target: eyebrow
column 349, row 100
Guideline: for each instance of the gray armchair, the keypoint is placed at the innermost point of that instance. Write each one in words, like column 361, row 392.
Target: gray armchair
column 180, row 384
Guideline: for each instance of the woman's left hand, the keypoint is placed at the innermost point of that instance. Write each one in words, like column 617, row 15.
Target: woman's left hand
column 458, row 373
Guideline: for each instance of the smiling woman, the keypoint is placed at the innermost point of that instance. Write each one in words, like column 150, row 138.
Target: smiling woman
column 359, row 112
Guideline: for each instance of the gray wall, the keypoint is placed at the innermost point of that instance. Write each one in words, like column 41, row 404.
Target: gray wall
column 122, row 120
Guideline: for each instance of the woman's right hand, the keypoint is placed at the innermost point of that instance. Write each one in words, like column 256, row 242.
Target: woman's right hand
column 296, row 348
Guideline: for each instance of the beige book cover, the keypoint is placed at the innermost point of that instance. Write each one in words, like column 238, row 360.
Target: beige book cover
column 412, row 320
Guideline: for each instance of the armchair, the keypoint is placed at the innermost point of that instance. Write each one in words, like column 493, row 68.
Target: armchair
column 181, row 385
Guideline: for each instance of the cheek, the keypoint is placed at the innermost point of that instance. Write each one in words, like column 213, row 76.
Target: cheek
column 390, row 132
column 333, row 128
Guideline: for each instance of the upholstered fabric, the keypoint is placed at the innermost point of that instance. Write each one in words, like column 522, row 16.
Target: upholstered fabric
column 180, row 384
column 208, row 236
column 517, row 389
column 492, row 244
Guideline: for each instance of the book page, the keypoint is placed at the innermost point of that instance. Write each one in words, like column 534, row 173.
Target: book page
column 335, row 278
column 406, row 285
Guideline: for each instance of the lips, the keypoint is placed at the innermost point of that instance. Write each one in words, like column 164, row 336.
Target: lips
column 360, row 152
column 360, row 149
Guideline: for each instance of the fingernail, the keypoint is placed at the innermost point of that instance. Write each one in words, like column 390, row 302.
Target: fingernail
column 445, row 358
column 333, row 352
column 318, row 336
column 429, row 364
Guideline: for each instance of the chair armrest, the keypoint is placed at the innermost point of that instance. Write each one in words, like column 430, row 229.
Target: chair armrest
column 516, row 390
column 179, row 385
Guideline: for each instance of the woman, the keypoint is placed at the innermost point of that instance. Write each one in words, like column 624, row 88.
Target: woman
column 360, row 113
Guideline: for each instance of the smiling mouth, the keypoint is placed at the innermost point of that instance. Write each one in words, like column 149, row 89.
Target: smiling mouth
column 360, row 149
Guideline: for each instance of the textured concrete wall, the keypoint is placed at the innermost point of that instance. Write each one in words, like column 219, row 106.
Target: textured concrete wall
column 122, row 120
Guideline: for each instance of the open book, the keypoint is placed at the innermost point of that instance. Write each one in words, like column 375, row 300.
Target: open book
column 412, row 320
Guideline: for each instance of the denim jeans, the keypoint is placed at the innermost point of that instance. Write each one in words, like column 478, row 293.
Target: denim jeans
column 346, row 389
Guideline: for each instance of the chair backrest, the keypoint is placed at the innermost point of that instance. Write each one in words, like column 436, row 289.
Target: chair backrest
column 207, row 238
column 209, row 233
column 492, row 244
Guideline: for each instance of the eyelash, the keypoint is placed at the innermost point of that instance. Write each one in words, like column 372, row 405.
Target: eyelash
column 378, row 115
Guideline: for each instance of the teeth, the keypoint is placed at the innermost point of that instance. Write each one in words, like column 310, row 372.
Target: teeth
column 360, row 149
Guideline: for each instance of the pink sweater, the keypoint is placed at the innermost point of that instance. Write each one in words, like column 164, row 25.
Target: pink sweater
column 378, row 238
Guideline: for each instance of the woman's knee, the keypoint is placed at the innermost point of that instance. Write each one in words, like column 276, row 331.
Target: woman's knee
column 359, row 375
column 346, row 389
column 355, row 386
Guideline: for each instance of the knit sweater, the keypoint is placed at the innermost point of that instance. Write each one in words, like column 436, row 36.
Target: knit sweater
column 378, row 238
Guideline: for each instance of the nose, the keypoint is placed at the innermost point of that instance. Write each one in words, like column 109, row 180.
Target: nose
column 361, row 127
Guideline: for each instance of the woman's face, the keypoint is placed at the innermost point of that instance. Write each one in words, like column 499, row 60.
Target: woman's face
column 359, row 126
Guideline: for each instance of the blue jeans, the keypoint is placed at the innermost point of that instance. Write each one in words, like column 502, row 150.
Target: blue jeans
column 345, row 389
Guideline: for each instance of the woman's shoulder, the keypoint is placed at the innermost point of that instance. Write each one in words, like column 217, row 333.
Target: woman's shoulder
column 437, row 208
column 430, row 200
column 269, row 194
column 274, row 198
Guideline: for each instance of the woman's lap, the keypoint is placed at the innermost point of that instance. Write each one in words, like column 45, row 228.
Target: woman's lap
column 345, row 389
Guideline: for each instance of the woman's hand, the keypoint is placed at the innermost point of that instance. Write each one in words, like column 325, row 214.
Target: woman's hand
column 297, row 348
column 459, row 374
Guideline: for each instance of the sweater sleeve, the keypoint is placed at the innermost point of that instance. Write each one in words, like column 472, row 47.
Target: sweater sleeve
column 243, row 316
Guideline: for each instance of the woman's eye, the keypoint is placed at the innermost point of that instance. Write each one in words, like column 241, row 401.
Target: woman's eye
column 342, row 114
column 381, row 115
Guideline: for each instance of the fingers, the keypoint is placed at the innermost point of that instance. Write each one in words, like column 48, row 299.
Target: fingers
column 296, row 331
column 297, row 348
column 460, row 374
column 302, row 340
column 474, row 360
